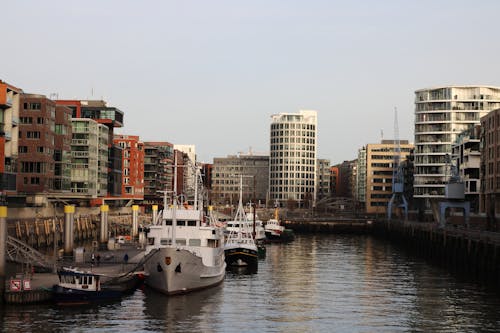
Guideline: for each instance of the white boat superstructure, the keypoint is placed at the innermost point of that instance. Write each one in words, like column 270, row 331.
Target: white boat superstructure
column 186, row 251
column 260, row 233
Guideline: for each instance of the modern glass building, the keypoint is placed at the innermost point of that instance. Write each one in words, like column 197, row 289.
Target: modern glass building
column 293, row 158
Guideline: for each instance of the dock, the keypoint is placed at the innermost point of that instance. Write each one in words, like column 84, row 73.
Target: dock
column 36, row 287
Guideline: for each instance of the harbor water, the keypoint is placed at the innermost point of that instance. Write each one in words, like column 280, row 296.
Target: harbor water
column 318, row 283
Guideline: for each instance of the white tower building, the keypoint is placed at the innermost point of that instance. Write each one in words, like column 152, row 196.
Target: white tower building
column 293, row 158
column 441, row 114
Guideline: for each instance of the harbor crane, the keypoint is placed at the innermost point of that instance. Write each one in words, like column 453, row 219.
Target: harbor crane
column 398, row 198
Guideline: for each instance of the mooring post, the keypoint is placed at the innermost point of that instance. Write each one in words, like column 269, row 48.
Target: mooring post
column 155, row 213
column 69, row 219
column 135, row 223
column 3, row 249
column 104, row 225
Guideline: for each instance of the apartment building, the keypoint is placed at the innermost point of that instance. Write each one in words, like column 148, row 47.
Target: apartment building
column 89, row 158
column 111, row 117
column 441, row 114
column 323, row 179
column 158, row 171
column 9, row 134
column 132, row 166
column 490, row 164
column 466, row 157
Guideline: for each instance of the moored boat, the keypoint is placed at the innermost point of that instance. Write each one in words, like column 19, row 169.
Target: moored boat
column 77, row 287
column 184, row 251
column 239, row 247
column 275, row 232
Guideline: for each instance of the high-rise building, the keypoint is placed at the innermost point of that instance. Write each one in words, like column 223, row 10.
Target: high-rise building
column 441, row 114
column 293, row 158
column 226, row 172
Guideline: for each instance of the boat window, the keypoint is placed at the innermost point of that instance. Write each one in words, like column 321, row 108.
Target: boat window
column 165, row 241
column 151, row 241
column 181, row 223
column 191, row 223
column 195, row 242
column 180, row 241
column 212, row 243
column 90, row 280
column 168, row 222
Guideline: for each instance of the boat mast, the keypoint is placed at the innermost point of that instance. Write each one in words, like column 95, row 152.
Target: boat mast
column 174, row 208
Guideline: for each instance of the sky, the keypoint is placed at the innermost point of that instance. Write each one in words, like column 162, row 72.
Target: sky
column 211, row 73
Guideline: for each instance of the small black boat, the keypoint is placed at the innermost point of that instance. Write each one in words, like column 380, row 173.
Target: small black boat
column 79, row 287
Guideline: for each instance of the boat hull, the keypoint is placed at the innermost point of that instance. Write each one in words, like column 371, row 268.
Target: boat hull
column 286, row 236
column 240, row 256
column 176, row 271
column 69, row 296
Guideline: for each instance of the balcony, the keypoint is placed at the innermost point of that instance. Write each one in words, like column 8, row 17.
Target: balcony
column 80, row 142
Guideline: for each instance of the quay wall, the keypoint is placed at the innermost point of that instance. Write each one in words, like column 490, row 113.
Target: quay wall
column 468, row 253
column 328, row 225
column 41, row 227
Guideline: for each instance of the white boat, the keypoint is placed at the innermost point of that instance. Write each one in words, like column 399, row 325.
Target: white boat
column 239, row 247
column 275, row 232
column 260, row 233
column 185, row 250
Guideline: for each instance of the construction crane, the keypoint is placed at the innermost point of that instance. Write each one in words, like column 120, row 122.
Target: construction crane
column 398, row 197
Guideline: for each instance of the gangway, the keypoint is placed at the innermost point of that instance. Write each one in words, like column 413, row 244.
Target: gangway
column 20, row 252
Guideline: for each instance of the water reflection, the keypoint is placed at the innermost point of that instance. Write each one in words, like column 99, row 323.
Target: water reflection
column 192, row 312
column 318, row 283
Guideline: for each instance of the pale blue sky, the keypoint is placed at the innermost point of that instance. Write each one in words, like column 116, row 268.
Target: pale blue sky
column 212, row 72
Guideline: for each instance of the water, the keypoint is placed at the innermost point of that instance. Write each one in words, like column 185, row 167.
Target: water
column 318, row 283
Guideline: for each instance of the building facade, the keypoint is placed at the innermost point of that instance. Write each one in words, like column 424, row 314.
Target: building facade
column 360, row 196
column 9, row 135
column 88, row 158
column 293, row 158
column 62, row 150
column 132, row 166
column 158, row 171
column 441, row 114
column 380, row 166
column 226, row 172
column 323, row 179
column 490, row 164
column 189, row 171
column 111, row 117
column 466, row 157
column 334, row 180
column 36, row 163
